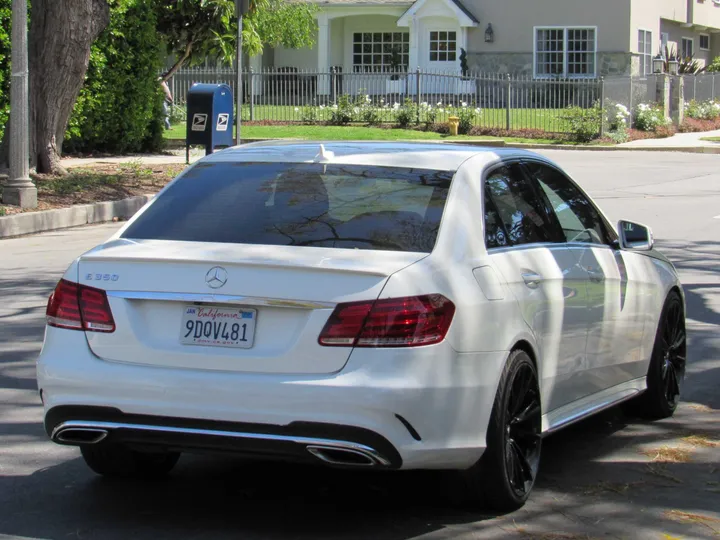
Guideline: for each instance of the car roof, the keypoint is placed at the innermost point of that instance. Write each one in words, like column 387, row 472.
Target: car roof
column 434, row 156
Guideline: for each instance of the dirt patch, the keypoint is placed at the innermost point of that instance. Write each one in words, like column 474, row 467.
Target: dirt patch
column 100, row 183
column 705, row 441
column 710, row 522
column 668, row 454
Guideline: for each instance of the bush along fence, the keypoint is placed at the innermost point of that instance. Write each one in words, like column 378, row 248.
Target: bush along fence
column 583, row 108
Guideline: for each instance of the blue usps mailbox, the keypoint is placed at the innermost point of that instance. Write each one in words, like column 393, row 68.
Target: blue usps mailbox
column 209, row 117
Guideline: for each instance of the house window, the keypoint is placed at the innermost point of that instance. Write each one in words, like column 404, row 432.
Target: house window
column 565, row 52
column 664, row 40
column 704, row 42
column 645, row 50
column 688, row 49
column 374, row 51
column 443, row 46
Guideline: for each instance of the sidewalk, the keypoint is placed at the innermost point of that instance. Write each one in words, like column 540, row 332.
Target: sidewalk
column 680, row 140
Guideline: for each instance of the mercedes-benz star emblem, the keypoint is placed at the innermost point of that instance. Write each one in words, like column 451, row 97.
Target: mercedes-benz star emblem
column 216, row 277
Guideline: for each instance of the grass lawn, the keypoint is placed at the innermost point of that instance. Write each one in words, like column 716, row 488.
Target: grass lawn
column 711, row 139
column 542, row 119
column 349, row 133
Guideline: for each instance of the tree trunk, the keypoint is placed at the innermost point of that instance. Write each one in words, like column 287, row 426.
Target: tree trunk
column 61, row 33
column 179, row 63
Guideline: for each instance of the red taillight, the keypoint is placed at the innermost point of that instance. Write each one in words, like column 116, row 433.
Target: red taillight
column 79, row 307
column 391, row 322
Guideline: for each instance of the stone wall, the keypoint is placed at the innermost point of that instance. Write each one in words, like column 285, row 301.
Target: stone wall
column 609, row 64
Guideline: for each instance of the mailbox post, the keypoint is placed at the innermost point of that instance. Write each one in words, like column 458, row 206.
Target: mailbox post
column 209, row 117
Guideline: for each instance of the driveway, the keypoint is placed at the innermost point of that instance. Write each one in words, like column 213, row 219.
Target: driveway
column 608, row 477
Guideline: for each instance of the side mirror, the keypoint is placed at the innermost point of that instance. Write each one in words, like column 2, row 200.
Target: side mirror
column 635, row 236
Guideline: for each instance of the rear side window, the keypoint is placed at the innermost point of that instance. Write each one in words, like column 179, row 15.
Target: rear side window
column 339, row 206
column 514, row 214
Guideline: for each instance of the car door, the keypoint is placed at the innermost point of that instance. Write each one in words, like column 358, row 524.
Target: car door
column 524, row 245
column 615, row 325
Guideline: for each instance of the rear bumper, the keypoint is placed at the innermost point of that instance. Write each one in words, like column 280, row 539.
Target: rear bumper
column 299, row 441
column 426, row 407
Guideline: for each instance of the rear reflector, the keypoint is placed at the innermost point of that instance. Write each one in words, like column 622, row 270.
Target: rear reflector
column 391, row 322
column 78, row 307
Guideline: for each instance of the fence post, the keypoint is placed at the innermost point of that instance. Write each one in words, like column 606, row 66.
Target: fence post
column 417, row 91
column 602, row 105
column 252, row 94
column 631, row 101
column 508, row 104
column 333, row 87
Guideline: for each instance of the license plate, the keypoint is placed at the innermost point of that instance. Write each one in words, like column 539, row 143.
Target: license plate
column 218, row 327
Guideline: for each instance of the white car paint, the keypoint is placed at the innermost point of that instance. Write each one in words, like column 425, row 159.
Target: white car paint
column 589, row 355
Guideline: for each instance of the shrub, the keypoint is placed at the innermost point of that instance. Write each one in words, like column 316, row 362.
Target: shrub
column 467, row 116
column 429, row 114
column 309, row 114
column 649, row 117
column 703, row 110
column 714, row 66
column 120, row 107
column 582, row 124
column 406, row 114
column 341, row 114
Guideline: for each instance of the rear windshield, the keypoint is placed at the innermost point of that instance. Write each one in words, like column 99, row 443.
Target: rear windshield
column 339, row 206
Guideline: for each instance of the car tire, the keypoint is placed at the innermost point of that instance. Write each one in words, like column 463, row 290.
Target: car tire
column 118, row 461
column 505, row 474
column 667, row 365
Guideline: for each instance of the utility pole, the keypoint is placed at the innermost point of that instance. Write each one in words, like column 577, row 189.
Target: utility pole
column 19, row 190
column 242, row 7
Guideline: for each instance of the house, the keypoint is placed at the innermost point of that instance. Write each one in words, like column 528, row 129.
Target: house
column 538, row 38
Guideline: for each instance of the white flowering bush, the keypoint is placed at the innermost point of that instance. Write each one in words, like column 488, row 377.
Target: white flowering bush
column 703, row 110
column 618, row 121
column 649, row 117
column 618, row 116
column 468, row 116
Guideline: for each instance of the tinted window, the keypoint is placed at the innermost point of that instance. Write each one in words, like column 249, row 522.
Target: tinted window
column 513, row 213
column 578, row 218
column 353, row 207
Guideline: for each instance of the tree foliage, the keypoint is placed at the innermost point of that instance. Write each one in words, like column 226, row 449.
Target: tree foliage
column 196, row 30
column 5, row 17
column 120, row 106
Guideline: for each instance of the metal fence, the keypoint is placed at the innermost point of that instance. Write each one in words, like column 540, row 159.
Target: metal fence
column 703, row 87
column 487, row 100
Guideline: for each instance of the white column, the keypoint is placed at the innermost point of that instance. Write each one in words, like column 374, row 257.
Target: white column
column 323, row 43
column 19, row 190
column 414, row 44
column 256, row 66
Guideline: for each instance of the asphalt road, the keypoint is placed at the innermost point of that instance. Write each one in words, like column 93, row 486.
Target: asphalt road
column 608, row 477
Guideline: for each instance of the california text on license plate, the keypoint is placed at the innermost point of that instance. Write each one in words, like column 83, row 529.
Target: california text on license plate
column 218, row 327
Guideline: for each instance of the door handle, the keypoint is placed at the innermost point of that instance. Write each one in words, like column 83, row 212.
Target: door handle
column 532, row 279
column 596, row 277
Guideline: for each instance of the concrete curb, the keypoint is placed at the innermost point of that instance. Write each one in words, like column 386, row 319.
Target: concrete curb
column 178, row 143
column 74, row 216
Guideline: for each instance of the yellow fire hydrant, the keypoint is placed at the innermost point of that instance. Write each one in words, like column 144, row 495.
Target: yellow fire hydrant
column 453, row 125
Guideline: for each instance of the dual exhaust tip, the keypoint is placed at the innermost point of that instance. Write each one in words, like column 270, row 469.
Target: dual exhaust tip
column 333, row 455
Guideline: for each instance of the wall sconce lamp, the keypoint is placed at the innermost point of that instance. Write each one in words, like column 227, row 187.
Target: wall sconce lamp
column 489, row 34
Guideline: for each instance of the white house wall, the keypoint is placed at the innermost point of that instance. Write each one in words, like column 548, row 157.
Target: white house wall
column 303, row 59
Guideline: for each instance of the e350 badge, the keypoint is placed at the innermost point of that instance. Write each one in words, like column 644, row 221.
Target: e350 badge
column 102, row 277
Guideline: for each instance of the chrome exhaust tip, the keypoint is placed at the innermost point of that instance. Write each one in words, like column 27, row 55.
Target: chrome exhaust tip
column 77, row 436
column 342, row 456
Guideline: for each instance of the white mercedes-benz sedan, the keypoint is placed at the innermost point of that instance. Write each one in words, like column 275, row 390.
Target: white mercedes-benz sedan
column 378, row 305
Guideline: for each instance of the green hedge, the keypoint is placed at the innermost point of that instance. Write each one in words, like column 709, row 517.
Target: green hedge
column 120, row 106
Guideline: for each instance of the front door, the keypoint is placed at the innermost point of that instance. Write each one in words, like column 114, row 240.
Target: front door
column 615, row 317
column 543, row 274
